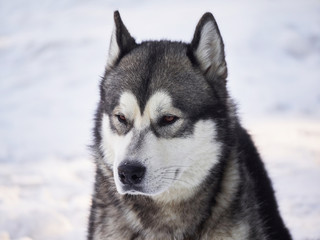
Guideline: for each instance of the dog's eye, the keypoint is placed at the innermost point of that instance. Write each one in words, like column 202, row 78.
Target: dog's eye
column 167, row 120
column 121, row 118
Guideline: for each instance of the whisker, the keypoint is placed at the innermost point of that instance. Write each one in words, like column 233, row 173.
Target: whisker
column 164, row 169
column 178, row 180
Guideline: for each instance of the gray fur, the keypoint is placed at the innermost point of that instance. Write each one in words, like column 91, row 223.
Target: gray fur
column 234, row 200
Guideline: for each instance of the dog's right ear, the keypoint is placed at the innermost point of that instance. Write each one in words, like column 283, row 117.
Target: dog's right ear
column 121, row 42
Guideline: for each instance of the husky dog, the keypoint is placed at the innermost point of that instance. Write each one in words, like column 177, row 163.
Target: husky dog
column 172, row 160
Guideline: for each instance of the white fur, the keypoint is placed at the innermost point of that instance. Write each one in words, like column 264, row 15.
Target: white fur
column 114, row 50
column 229, row 186
column 209, row 51
column 192, row 156
column 114, row 147
column 239, row 231
column 128, row 106
column 159, row 104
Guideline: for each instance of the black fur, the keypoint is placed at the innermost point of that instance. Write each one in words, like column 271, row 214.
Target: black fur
column 268, row 208
column 204, row 213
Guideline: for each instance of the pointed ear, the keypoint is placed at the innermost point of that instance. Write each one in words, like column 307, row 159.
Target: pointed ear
column 208, row 49
column 121, row 41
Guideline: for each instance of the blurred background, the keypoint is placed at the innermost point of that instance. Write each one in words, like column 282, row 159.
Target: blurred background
column 52, row 54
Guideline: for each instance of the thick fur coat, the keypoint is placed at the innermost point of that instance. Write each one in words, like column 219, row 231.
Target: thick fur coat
column 172, row 160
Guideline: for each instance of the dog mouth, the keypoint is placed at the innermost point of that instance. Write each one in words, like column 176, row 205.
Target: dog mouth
column 133, row 190
column 138, row 183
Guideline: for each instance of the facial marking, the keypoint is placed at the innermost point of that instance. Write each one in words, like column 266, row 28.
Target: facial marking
column 128, row 106
column 113, row 145
column 159, row 104
column 174, row 165
column 191, row 157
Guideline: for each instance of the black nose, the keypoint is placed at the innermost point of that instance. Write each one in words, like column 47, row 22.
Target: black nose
column 131, row 173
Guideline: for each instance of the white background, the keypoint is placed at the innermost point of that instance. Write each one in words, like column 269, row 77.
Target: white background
column 52, row 54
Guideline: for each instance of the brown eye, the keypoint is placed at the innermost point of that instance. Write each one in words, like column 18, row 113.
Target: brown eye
column 122, row 118
column 167, row 120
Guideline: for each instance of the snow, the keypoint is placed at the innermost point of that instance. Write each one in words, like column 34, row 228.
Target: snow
column 52, row 54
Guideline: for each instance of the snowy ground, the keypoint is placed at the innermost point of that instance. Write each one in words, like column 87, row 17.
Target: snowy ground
column 53, row 52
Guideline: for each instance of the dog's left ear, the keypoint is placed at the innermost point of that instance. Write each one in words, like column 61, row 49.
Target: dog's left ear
column 121, row 41
column 208, row 49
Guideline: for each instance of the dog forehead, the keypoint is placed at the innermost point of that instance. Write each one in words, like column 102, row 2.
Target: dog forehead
column 157, row 66
column 154, row 66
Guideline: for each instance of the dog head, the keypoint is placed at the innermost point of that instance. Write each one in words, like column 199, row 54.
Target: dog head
column 162, row 118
